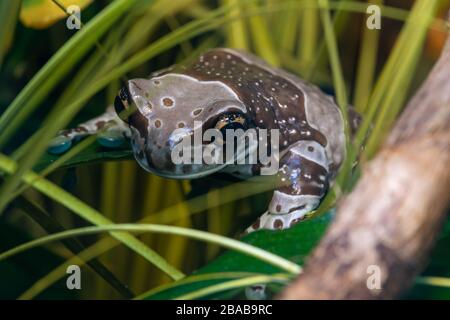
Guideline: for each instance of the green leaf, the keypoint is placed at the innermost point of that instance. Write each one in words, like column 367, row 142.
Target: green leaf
column 91, row 154
column 293, row 244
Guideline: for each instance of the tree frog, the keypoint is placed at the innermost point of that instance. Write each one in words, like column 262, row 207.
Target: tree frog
column 226, row 88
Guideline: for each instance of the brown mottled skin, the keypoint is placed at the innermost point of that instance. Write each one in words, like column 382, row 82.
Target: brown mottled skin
column 239, row 86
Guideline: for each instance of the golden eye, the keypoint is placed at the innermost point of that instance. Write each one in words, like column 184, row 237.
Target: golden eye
column 231, row 121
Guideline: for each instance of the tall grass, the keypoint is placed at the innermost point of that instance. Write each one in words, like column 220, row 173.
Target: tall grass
column 302, row 36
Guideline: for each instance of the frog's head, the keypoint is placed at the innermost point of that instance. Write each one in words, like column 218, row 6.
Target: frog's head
column 164, row 110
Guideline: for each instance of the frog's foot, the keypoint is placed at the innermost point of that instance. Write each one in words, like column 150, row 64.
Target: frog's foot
column 302, row 180
column 256, row 292
column 110, row 130
column 270, row 221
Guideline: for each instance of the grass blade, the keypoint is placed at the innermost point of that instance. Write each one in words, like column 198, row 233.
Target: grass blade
column 228, row 243
column 83, row 210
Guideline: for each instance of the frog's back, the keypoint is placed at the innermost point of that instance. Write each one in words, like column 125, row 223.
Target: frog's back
column 277, row 99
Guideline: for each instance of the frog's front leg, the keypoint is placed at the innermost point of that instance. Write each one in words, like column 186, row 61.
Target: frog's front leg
column 303, row 180
column 108, row 127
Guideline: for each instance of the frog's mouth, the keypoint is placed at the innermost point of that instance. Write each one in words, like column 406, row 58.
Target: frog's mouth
column 195, row 175
column 162, row 165
column 171, row 170
column 202, row 170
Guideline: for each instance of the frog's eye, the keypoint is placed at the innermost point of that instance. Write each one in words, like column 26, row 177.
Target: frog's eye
column 232, row 121
column 121, row 104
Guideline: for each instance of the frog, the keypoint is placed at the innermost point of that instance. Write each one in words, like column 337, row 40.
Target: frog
column 226, row 88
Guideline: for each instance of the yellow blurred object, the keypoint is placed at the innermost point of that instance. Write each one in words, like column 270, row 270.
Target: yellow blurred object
column 40, row 14
column 436, row 38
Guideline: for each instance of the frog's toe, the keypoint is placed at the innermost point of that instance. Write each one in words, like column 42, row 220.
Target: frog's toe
column 277, row 221
column 111, row 139
column 59, row 145
column 256, row 292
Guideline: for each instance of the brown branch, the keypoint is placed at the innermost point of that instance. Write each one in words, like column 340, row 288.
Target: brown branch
column 394, row 214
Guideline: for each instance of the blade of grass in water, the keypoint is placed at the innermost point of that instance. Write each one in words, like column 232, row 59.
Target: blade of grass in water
column 338, row 80
column 339, row 20
column 407, row 40
column 71, row 202
column 214, row 221
column 228, row 243
column 366, row 64
column 175, row 246
column 51, row 225
column 168, row 215
column 153, row 202
column 109, row 193
column 399, row 84
column 60, row 271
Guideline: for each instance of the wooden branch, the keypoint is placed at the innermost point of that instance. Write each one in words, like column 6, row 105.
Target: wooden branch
column 394, row 214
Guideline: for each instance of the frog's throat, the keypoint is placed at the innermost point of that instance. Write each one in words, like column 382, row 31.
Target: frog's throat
column 188, row 176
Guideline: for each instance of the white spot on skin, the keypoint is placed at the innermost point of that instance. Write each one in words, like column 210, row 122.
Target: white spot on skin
column 317, row 155
column 292, row 201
